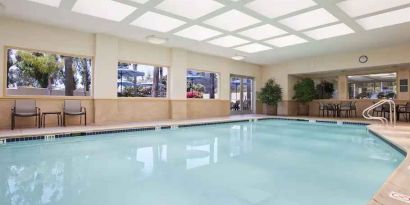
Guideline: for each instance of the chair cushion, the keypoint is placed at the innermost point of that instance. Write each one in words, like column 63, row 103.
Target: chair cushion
column 25, row 114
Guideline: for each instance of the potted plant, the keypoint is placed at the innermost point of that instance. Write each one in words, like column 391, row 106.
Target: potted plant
column 304, row 93
column 270, row 95
column 324, row 90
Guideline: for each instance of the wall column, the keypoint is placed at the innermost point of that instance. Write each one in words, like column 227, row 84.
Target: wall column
column 105, row 67
column 177, row 86
column 342, row 85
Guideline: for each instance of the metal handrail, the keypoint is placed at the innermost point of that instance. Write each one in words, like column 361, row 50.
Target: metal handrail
column 384, row 121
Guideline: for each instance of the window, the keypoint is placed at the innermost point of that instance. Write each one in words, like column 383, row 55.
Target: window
column 139, row 80
column 43, row 73
column 202, row 85
column 404, row 85
column 373, row 86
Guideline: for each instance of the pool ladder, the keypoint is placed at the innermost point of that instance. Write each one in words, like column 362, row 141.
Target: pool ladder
column 392, row 112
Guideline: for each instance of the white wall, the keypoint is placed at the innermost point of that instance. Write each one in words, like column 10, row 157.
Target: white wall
column 346, row 61
column 107, row 50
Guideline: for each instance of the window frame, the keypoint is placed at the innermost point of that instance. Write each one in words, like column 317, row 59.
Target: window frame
column 149, row 64
column 373, row 73
column 206, row 71
column 6, row 96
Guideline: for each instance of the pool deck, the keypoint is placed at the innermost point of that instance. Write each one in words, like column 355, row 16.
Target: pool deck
column 395, row 191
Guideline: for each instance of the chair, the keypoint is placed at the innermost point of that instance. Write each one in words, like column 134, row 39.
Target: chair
column 322, row 108
column 353, row 109
column 404, row 110
column 25, row 108
column 378, row 110
column 345, row 107
column 74, row 108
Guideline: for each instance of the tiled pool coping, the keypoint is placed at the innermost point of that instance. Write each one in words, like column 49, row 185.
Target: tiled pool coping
column 397, row 183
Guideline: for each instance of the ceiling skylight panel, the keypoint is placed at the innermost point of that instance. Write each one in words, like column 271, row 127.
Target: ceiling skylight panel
column 276, row 8
column 356, row 8
column 53, row 3
column 329, row 32
column 228, row 41
column 385, row 19
column 189, row 8
column 106, row 9
column 263, row 32
column 198, row 33
column 253, row 48
column 157, row 22
column 288, row 40
column 232, row 20
column 309, row 19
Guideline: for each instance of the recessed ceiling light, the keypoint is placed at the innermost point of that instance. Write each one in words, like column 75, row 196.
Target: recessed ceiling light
column 106, row 9
column 228, row 41
column 253, row 48
column 198, row 33
column 157, row 22
column 232, row 20
column 188, row 8
column 276, row 8
column 156, row 40
column 329, row 32
column 238, row 57
column 309, row 19
column 53, row 3
column 286, row 41
column 385, row 19
column 263, row 32
column 140, row 1
column 356, row 8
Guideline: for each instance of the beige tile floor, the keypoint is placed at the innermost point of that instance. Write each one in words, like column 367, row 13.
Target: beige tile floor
column 398, row 182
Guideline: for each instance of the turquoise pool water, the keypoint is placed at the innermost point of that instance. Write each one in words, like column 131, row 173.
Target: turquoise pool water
column 266, row 162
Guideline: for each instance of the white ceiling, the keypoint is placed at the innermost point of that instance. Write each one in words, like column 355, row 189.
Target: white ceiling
column 268, row 28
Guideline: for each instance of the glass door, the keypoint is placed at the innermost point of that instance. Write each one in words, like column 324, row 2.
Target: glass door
column 242, row 94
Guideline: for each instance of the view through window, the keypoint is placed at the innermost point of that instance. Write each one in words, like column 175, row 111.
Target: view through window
column 373, row 86
column 202, row 84
column 139, row 80
column 43, row 73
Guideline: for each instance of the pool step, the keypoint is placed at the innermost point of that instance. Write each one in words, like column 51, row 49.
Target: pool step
column 3, row 141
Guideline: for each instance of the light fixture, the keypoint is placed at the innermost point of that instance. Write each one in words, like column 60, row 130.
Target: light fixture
column 276, row 8
column 288, row 40
column 253, row 48
column 309, row 19
column 385, row 19
column 228, row 41
column 238, row 57
column 188, row 8
column 156, row 40
column 106, row 9
column 52, row 3
column 198, row 33
column 329, row 31
column 263, row 32
column 140, row 1
column 232, row 20
column 356, row 8
column 157, row 22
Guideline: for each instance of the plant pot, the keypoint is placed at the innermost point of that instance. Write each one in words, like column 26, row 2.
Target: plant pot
column 303, row 109
column 269, row 109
